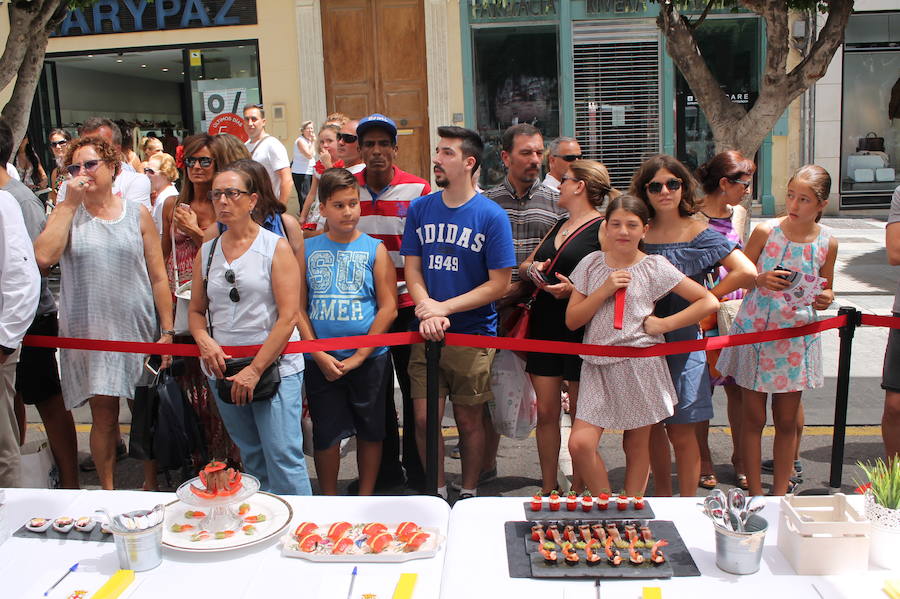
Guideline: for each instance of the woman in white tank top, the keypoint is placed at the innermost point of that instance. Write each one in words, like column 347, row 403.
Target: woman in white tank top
column 252, row 297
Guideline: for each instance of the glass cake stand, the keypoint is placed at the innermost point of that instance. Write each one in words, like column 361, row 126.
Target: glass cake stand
column 221, row 512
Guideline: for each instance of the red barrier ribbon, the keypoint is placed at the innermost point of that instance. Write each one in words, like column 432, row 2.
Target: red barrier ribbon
column 458, row 339
column 619, row 311
column 891, row 322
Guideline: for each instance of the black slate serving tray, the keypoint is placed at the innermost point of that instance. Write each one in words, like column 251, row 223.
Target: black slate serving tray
column 613, row 513
column 519, row 559
column 73, row 535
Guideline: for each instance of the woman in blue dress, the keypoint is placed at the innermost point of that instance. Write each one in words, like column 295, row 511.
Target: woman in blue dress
column 666, row 186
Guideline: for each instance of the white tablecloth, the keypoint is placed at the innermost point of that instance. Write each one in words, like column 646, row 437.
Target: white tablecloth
column 28, row 566
column 476, row 566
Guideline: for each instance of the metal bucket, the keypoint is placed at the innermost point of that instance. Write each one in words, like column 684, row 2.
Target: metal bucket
column 740, row 552
column 139, row 550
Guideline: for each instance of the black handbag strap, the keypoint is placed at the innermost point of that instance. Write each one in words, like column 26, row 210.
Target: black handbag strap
column 562, row 247
column 212, row 250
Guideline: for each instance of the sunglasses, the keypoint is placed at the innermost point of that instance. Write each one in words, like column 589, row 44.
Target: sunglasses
column 57, row 144
column 231, row 193
column 88, row 165
column 347, row 138
column 234, row 295
column 204, row 161
column 149, row 171
column 657, row 186
column 746, row 184
column 568, row 178
column 568, row 157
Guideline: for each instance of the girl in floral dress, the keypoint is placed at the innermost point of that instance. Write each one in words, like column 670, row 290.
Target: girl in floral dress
column 625, row 393
column 785, row 367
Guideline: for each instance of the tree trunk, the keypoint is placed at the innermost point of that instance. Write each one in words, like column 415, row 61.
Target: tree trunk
column 30, row 48
column 733, row 127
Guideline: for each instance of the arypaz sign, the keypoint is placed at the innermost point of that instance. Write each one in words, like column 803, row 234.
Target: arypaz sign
column 124, row 16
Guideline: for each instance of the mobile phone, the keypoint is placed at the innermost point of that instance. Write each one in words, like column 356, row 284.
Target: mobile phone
column 153, row 363
column 789, row 277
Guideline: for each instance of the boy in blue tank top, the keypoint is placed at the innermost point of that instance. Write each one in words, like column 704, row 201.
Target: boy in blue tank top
column 348, row 287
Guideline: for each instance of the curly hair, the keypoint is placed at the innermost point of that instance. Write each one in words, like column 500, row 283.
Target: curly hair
column 648, row 170
column 108, row 153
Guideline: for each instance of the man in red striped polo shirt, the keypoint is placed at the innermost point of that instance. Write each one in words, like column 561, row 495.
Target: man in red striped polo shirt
column 384, row 197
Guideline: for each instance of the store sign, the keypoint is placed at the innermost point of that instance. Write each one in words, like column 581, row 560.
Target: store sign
column 596, row 8
column 220, row 112
column 501, row 10
column 736, row 98
column 125, row 16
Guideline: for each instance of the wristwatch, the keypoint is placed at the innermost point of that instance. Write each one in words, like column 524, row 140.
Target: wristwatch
column 170, row 332
column 7, row 351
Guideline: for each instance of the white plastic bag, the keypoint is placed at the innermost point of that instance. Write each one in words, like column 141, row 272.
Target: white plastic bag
column 38, row 467
column 514, row 408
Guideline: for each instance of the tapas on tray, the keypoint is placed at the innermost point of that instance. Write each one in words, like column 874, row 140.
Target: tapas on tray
column 361, row 542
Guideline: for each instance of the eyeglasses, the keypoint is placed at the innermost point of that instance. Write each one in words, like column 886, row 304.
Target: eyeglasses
column 149, row 171
column 204, row 161
column 234, row 295
column 657, row 186
column 568, row 178
column 568, row 157
column 231, row 193
column 88, row 165
column 57, row 144
column 746, row 184
column 347, row 138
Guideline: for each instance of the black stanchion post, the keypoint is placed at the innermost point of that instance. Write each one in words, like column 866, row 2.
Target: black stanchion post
column 432, row 418
column 854, row 319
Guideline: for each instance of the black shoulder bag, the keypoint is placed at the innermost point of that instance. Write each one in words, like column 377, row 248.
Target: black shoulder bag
column 269, row 380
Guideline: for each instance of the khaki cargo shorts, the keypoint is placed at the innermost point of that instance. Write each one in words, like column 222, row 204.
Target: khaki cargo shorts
column 464, row 373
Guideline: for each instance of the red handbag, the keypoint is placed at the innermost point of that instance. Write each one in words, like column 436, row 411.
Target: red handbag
column 517, row 324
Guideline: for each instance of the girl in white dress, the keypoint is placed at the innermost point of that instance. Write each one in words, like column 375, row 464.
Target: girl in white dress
column 625, row 393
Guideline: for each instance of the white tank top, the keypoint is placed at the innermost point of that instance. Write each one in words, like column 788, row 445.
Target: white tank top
column 248, row 321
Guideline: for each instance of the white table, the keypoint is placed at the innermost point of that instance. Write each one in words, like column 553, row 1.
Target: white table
column 29, row 566
column 475, row 564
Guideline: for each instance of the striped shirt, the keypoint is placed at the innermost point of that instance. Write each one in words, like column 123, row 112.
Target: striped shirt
column 383, row 216
column 530, row 216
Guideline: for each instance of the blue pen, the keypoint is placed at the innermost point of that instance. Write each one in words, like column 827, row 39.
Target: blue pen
column 352, row 580
column 61, row 578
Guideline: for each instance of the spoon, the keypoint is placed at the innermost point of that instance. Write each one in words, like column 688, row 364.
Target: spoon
column 754, row 505
column 736, row 503
column 716, row 511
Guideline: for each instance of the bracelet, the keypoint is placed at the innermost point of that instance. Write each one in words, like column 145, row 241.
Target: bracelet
column 169, row 332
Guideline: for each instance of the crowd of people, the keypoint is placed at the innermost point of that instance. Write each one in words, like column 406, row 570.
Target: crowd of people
column 372, row 250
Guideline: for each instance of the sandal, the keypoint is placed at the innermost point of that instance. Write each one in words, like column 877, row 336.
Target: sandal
column 742, row 482
column 708, row 481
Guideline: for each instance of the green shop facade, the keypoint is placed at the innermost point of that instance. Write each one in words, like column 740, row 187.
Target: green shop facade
column 598, row 70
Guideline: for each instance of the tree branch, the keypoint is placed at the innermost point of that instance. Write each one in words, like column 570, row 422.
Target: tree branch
column 695, row 24
column 681, row 45
column 776, row 18
column 26, row 19
column 830, row 37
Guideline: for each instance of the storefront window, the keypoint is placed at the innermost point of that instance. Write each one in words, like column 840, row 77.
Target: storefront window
column 731, row 49
column 516, row 81
column 223, row 80
column 870, row 138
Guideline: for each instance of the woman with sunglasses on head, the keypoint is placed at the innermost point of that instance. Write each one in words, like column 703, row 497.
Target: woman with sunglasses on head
column 104, row 244
column 725, row 180
column 59, row 139
column 246, row 291
column 185, row 220
column 667, row 188
column 160, row 168
column 584, row 187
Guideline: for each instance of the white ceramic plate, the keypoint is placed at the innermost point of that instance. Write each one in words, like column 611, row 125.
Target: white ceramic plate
column 289, row 548
column 277, row 511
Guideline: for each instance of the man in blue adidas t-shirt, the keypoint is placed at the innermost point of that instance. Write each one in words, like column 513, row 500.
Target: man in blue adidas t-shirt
column 459, row 258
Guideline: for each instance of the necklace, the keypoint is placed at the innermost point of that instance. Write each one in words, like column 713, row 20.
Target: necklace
column 574, row 227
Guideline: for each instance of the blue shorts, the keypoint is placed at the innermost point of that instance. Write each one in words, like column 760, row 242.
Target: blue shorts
column 351, row 405
column 691, row 379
